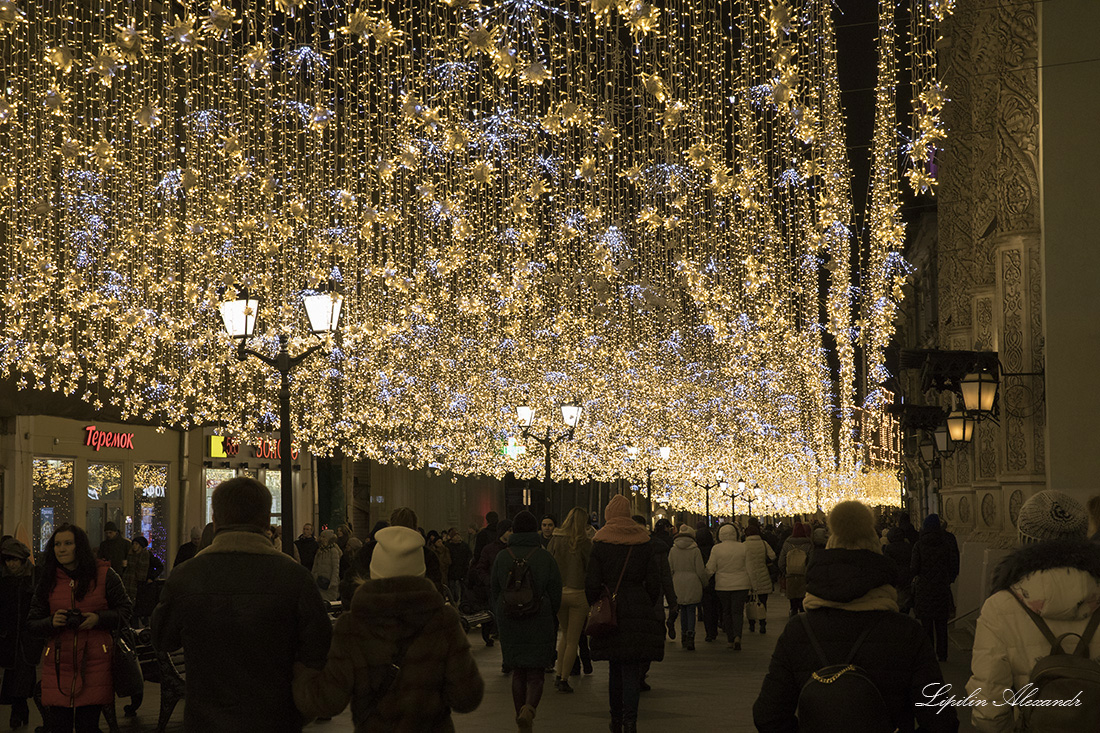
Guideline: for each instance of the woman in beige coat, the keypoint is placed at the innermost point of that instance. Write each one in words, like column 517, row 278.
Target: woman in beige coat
column 571, row 548
column 757, row 554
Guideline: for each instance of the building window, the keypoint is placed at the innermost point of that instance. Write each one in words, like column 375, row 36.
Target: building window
column 104, row 500
column 273, row 481
column 53, row 497
column 215, row 476
column 151, row 506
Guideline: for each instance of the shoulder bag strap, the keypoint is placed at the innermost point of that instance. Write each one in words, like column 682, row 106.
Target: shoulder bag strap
column 859, row 642
column 393, row 670
column 813, row 640
column 1082, row 649
column 622, row 572
column 1055, row 645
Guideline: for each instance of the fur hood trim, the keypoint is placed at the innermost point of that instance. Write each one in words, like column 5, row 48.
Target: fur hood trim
column 1077, row 554
column 684, row 542
column 244, row 541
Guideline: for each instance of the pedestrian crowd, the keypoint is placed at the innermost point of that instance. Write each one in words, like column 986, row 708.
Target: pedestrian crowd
column 869, row 612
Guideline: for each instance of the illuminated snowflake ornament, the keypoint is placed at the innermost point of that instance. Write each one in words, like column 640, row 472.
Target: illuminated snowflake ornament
column 536, row 73
column 219, row 22
column 106, row 66
column 385, row 35
column 655, row 85
column 358, row 25
column 480, row 39
column 181, row 34
column 7, row 110
column 61, row 58
column 129, row 43
column 257, row 60
column 10, row 15
column 147, row 116
column 320, row 117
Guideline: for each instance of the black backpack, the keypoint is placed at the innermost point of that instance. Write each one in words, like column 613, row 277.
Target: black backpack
column 1064, row 676
column 841, row 697
column 519, row 598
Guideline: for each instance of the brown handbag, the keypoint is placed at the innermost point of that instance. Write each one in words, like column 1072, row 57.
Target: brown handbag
column 603, row 617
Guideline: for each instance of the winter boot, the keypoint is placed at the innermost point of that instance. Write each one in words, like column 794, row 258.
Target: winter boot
column 616, row 726
column 690, row 638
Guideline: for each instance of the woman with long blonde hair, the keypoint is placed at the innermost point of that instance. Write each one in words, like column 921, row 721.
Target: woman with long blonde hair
column 571, row 549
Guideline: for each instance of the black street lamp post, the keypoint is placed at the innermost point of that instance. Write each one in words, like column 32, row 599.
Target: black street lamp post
column 719, row 484
column 570, row 414
column 239, row 318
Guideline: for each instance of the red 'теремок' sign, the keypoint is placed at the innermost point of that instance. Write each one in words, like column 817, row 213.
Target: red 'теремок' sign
column 97, row 438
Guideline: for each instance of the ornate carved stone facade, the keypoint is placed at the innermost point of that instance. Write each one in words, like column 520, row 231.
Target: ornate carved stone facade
column 985, row 292
column 988, row 254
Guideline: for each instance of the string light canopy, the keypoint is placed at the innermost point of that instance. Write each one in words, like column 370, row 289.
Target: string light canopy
column 518, row 202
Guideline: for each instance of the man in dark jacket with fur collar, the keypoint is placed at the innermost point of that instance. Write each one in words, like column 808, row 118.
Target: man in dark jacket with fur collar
column 849, row 588
column 244, row 613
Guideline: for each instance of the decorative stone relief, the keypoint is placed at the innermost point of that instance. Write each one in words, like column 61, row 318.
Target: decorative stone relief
column 1038, row 344
column 949, row 509
column 1012, row 319
column 987, row 452
column 983, row 323
column 964, row 510
column 1015, row 501
column 989, row 511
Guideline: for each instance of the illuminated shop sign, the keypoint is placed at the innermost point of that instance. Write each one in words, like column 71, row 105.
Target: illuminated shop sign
column 97, row 439
column 224, row 446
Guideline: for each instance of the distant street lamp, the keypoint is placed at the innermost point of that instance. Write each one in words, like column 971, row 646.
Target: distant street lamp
column 239, row 318
column 664, row 451
column 570, row 415
column 720, row 484
column 744, row 495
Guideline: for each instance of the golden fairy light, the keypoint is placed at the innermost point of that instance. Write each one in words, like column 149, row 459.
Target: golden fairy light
column 629, row 204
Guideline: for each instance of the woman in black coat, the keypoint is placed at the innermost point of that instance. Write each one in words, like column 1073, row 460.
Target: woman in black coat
column 19, row 652
column 709, row 605
column 935, row 567
column 849, row 589
column 622, row 549
column 898, row 549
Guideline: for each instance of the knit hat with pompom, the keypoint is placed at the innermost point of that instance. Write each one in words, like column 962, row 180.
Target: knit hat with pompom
column 852, row 527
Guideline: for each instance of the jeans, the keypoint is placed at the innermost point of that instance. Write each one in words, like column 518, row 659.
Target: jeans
column 687, row 618
column 796, row 606
column 733, row 611
column 571, row 619
column 623, row 690
column 455, row 586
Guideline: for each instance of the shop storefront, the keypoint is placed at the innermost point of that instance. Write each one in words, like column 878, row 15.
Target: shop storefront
column 226, row 457
column 89, row 474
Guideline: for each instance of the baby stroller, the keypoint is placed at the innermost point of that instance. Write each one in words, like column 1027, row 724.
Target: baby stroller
column 474, row 611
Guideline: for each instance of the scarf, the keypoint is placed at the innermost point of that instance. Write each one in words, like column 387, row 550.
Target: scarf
column 883, row 598
column 619, row 528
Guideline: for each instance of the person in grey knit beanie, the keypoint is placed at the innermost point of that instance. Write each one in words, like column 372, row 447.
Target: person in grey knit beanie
column 1051, row 515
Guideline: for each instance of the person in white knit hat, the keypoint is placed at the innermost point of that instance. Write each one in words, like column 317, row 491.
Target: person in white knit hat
column 1056, row 575
column 397, row 619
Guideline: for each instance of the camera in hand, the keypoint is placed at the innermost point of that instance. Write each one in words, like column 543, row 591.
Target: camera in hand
column 73, row 618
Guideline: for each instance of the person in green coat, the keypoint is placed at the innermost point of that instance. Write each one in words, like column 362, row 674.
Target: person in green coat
column 527, row 644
